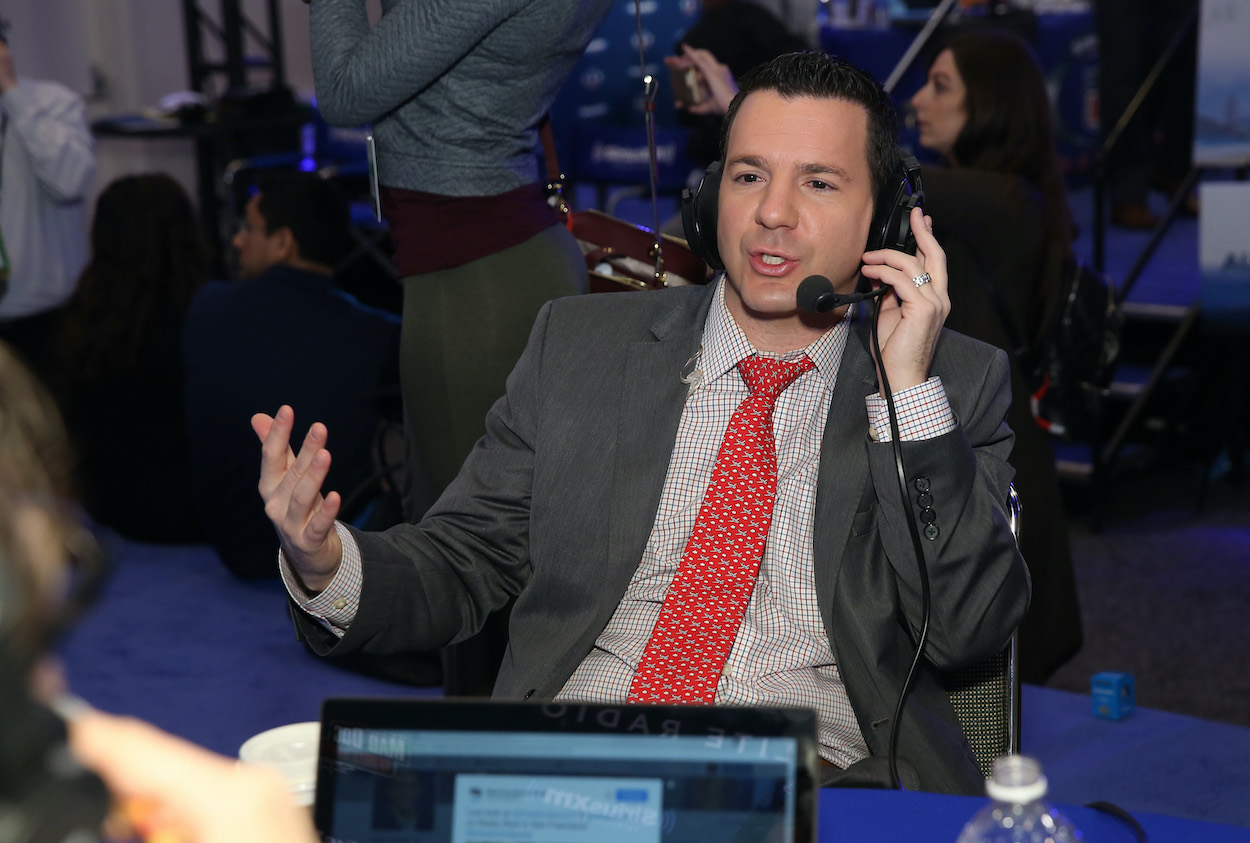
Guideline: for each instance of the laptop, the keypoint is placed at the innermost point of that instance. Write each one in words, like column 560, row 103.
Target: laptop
column 477, row 771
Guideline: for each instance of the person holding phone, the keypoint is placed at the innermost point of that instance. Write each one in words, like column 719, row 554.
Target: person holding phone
column 729, row 38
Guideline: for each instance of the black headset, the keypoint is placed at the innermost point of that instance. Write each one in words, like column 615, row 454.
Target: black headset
column 891, row 223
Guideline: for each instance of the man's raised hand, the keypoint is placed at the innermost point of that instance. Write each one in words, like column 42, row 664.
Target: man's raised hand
column 290, row 486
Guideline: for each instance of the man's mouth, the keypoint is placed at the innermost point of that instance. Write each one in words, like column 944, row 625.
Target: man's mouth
column 767, row 263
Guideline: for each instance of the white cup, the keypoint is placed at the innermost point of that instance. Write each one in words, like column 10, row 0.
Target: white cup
column 292, row 751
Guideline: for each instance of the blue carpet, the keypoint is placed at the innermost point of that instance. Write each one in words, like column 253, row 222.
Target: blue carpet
column 178, row 641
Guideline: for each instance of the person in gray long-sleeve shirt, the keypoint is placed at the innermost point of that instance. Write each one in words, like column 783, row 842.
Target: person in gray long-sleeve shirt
column 47, row 162
column 455, row 90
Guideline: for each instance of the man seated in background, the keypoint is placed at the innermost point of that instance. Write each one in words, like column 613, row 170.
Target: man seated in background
column 249, row 343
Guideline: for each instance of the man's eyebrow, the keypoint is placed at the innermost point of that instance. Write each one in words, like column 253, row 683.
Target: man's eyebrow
column 755, row 161
column 811, row 169
column 818, row 169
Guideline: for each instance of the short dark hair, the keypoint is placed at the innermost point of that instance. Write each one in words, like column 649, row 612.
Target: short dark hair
column 314, row 209
column 811, row 73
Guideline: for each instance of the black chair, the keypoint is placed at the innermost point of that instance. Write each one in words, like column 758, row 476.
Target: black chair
column 986, row 696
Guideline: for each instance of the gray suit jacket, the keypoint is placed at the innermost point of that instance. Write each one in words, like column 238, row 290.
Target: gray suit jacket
column 556, row 503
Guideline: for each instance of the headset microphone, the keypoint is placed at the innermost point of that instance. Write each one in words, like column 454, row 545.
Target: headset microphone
column 816, row 295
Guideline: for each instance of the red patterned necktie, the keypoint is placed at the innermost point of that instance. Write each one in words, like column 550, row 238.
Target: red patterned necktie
column 709, row 594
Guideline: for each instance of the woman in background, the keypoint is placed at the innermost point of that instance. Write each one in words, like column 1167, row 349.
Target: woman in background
column 120, row 373
column 1000, row 209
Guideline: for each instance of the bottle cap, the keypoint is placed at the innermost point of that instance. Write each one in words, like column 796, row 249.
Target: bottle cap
column 1017, row 779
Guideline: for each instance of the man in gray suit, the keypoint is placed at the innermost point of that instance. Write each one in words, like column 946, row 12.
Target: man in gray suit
column 580, row 498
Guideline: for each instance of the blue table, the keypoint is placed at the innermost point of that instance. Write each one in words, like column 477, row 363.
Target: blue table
column 176, row 640
column 893, row 816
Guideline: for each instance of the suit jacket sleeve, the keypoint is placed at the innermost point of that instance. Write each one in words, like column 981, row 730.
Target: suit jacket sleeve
column 978, row 582
column 434, row 583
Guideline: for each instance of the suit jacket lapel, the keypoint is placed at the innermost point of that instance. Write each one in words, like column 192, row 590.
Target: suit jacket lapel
column 843, row 463
column 651, row 399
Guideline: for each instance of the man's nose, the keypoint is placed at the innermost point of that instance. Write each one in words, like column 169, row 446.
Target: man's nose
column 778, row 206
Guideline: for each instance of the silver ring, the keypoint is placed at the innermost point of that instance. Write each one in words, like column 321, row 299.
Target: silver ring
column 922, row 279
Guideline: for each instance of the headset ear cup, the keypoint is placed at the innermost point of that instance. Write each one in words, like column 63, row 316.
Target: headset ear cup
column 906, row 238
column 699, row 212
column 900, row 226
column 891, row 224
column 880, row 224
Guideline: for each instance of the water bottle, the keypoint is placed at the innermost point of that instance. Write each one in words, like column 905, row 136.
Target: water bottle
column 1018, row 813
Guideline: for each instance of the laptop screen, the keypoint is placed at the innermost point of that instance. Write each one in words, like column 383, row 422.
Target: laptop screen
column 468, row 771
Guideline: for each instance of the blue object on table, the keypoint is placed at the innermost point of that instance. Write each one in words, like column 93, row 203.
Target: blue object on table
column 1112, row 695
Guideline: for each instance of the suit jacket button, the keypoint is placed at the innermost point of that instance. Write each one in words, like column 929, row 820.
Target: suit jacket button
column 931, row 532
column 925, row 500
column 922, row 484
column 928, row 516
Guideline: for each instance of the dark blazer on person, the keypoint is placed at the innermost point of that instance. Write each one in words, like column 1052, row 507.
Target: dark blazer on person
column 288, row 336
column 992, row 226
column 556, row 503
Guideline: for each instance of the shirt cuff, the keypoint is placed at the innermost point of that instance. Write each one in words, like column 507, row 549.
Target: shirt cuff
column 15, row 98
column 335, row 607
column 923, row 413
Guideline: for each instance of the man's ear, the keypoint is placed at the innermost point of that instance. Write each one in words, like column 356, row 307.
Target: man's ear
column 284, row 245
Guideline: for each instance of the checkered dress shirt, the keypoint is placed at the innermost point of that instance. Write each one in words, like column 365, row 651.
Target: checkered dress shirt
column 782, row 654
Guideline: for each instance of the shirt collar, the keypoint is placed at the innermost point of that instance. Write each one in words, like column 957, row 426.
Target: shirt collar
column 724, row 344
